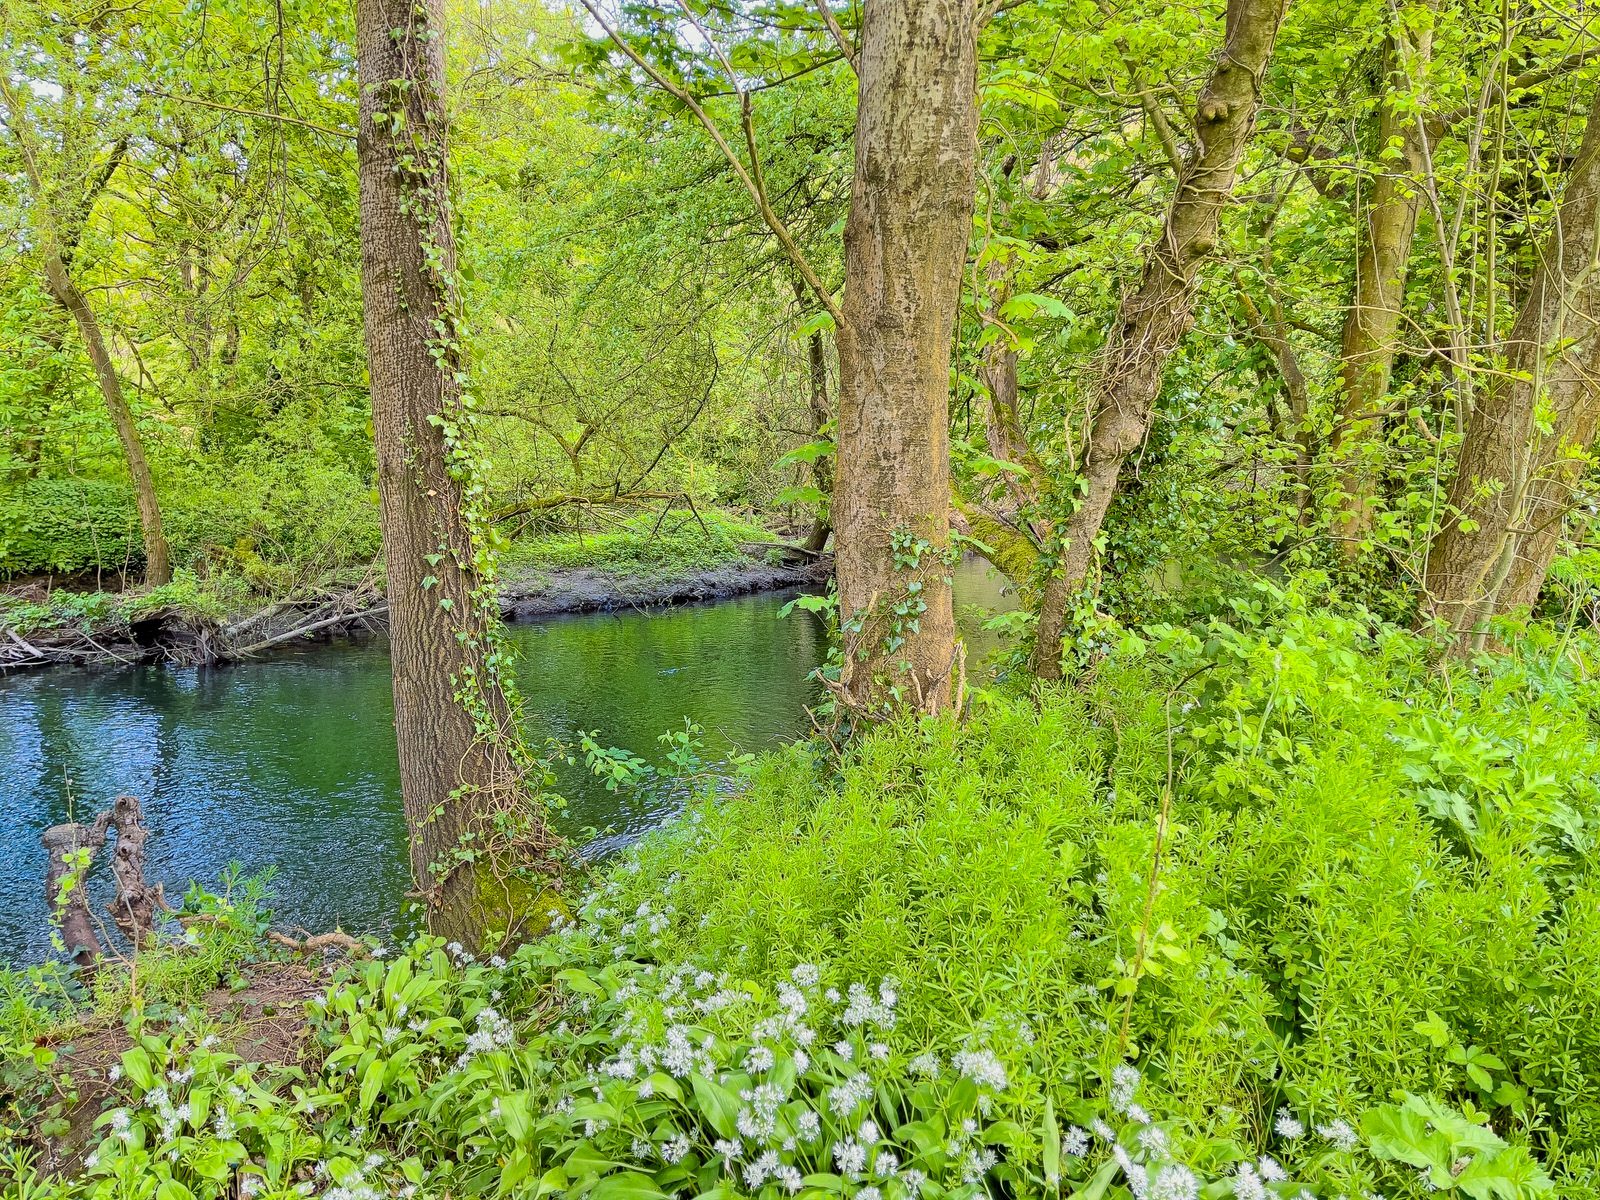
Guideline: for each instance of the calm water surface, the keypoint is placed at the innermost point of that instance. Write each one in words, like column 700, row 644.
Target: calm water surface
column 289, row 763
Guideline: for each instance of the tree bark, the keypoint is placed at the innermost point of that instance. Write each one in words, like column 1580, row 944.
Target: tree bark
column 1153, row 319
column 1372, row 325
column 1523, row 454
column 905, row 245
column 460, row 760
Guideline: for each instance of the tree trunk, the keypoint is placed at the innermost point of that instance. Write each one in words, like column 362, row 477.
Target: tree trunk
column 1522, row 459
column 1153, row 319
column 905, row 245
column 461, row 765
column 157, row 557
column 821, row 414
column 1372, row 326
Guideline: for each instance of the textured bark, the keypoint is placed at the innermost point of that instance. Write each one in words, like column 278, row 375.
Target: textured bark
column 452, row 722
column 1153, row 319
column 1515, row 481
column 905, row 244
column 1372, row 325
column 136, row 903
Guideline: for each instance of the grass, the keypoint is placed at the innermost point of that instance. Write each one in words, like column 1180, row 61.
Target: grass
column 642, row 546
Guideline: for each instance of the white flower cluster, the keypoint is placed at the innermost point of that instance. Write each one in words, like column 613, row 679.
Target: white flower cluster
column 1144, row 1154
column 492, row 1032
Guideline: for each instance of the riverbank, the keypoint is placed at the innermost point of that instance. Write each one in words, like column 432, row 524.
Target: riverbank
column 1244, row 948
column 633, row 564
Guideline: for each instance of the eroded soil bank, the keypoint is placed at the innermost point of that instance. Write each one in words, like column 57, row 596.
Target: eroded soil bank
column 177, row 635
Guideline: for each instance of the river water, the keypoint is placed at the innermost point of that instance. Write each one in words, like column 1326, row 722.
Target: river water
column 289, row 763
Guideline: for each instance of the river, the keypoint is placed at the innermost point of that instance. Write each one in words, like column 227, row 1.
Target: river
column 289, row 763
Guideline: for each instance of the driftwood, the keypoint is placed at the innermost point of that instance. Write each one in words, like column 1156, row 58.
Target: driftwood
column 136, row 904
column 63, row 844
column 343, row 618
column 785, row 547
column 316, row 941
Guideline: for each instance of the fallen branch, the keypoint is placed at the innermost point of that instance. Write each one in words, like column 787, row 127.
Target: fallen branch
column 786, row 547
column 304, row 630
column 317, row 941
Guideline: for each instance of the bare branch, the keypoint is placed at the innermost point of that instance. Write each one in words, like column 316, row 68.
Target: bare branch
column 835, row 32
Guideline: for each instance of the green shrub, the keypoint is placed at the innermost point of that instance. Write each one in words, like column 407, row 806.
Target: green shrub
column 644, row 544
column 1377, row 873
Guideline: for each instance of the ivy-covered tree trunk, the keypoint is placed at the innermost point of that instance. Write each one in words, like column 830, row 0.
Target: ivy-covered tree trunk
column 905, row 244
column 461, row 764
column 1524, row 452
column 1372, row 326
column 1153, row 319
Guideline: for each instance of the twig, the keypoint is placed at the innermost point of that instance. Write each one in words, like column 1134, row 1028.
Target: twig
column 253, row 112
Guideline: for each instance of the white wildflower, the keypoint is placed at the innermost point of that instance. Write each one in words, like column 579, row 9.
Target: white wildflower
column 1124, row 1082
column 756, row 1172
column 1075, row 1142
column 1339, row 1133
column 1288, row 1125
column 850, row 1157
column 1174, row 1182
column 980, row 1066
column 1247, row 1184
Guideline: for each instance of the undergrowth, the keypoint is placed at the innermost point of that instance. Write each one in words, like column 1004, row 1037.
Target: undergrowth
column 644, row 545
column 1279, row 906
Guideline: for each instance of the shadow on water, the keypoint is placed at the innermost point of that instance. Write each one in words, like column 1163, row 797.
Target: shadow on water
column 290, row 763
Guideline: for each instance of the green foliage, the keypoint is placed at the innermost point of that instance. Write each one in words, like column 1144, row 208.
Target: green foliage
column 1317, row 934
column 644, row 545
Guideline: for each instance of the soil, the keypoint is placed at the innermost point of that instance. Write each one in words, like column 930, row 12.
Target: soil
column 263, row 1022
column 175, row 636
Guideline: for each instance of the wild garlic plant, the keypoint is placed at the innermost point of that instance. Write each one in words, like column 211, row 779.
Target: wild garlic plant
column 584, row 1066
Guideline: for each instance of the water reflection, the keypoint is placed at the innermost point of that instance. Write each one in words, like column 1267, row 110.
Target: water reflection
column 290, row 763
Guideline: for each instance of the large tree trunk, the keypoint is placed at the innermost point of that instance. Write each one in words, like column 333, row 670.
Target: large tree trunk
column 1153, row 319
column 1517, row 475
column 460, row 759
column 1372, row 326
column 905, row 244
column 157, row 557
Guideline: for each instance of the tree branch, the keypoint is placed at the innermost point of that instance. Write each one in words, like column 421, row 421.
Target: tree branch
column 835, row 32
column 751, row 183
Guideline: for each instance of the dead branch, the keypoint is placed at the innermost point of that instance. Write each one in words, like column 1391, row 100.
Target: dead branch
column 315, row 942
